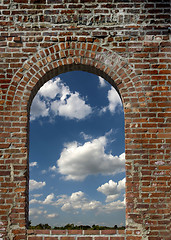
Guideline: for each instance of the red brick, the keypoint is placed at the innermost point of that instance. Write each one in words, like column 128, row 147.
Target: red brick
column 50, row 238
column 84, row 238
column 101, row 238
column 74, row 232
column 50, row 34
column 91, row 232
column 58, row 232
column 108, row 232
column 117, row 238
column 67, row 238
column 35, row 238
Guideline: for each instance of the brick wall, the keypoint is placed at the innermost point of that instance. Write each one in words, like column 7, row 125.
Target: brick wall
column 76, row 235
column 127, row 43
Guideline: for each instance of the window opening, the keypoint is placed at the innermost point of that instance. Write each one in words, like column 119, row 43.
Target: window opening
column 77, row 161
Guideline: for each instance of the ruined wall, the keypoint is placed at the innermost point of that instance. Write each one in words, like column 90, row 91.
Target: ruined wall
column 127, row 43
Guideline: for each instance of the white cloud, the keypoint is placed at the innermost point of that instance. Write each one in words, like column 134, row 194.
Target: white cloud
column 37, row 195
column 52, row 215
column 55, row 98
column 38, row 108
column 51, row 88
column 48, row 199
column 77, row 161
column 32, row 201
column 85, row 136
column 53, row 168
column 114, row 101
column 35, row 185
column 35, row 211
column 121, row 184
column 92, row 205
column 33, row 164
column 109, row 188
column 76, row 196
column 73, row 107
column 112, row 189
column 111, row 198
column 102, row 82
column 114, row 206
column 77, row 201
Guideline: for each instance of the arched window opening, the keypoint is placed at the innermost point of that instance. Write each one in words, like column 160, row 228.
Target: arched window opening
column 77, row 160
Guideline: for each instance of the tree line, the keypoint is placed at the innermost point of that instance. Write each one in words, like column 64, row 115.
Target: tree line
column 73, row 226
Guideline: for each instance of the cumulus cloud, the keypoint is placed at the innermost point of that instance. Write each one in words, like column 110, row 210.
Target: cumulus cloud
column 51, row 88
column 108, row 188
column 77, row 201
column 121, row 184
column 49, row 199
column 55, row 99
column 112, row 206
column 33, row 164
column 102, row 82
column 38, row 108
column 38, row 212
column 78, row 161
column 112, row 189
column 73, row 107
column 114, row 101
column 33, row 184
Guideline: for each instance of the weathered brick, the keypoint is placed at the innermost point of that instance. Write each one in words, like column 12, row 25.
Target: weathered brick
column 106, row 36
column 58, row 232
column 74, row 232
column 67, row 238
column 84, row 238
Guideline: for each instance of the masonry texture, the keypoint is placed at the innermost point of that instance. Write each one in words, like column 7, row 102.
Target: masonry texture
column 76, row 235
column 127, row 43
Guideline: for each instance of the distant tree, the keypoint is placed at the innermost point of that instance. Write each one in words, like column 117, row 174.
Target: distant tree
column 69, row 226
column 95, row 227
column 46, row 226
column 84, row 227
column 72, row 226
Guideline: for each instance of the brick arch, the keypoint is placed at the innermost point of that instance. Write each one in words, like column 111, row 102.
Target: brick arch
column 67, row 56
column 40, row 68
column 88, row 33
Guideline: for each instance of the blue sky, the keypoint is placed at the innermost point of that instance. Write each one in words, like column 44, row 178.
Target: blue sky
column 77, row 160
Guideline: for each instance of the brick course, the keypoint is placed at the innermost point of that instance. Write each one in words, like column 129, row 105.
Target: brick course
column 125, row 42
column 76, row 234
